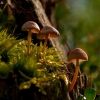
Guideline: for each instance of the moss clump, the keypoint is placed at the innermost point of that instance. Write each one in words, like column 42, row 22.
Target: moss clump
column 20, row 71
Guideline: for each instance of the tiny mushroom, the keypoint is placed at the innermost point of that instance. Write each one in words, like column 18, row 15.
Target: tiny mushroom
column 47, row 32
column 31, row 27
column 77, row 55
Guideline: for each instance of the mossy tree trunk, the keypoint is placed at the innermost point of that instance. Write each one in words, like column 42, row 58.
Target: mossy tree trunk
column 40, row 11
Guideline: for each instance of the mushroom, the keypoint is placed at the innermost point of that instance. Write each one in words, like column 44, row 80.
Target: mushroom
column 77, row 55
column 31, row 27
column 47, row 32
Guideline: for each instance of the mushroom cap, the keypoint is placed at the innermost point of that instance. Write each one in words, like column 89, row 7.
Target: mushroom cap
column 50, row 30
column 30, row 25
column 77, row 53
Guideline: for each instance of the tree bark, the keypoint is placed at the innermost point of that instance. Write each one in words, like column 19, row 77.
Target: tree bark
column 43, row 19
column 25, row 10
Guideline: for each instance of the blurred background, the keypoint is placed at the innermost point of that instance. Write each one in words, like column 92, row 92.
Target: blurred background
column 79, row 24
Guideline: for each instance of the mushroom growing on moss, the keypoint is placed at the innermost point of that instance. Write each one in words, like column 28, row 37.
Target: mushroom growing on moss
column 77, row 55
column 31, row 27
column 47, row 32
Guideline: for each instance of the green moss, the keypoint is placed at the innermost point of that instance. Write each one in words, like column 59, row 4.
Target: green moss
column 42, row 69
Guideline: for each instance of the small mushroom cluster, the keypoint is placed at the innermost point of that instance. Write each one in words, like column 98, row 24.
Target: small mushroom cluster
column 45, row 33
column 77, row 55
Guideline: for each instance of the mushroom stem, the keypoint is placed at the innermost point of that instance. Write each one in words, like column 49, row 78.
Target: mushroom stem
column 29, row 41
column 45, row 43
column 75, row 76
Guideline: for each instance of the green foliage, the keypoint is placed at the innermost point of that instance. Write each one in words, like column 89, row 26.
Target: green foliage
column 6, row 43
column 90, row 94
column 43, row 69
column 7, row 22
column 3, row 18
column 4, row 69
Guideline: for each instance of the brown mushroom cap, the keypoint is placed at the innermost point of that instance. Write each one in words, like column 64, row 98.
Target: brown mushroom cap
column 30, row 25
column 77, row 53
column 50, row 30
